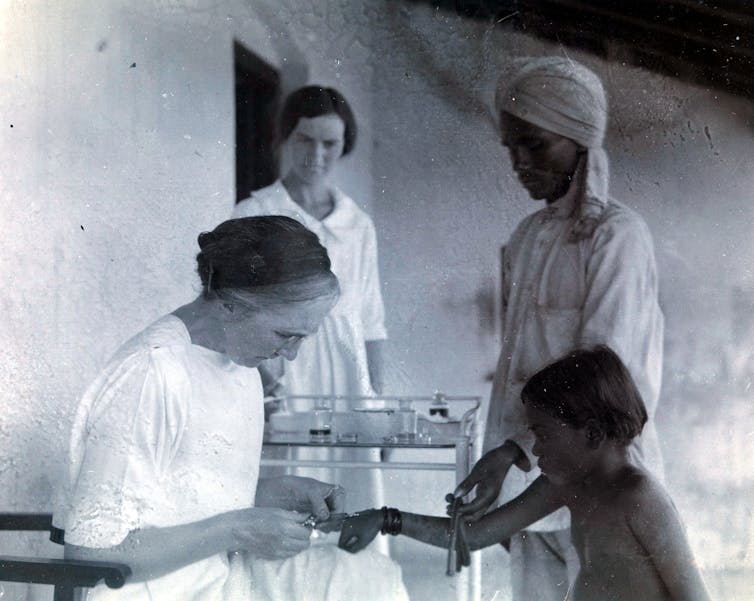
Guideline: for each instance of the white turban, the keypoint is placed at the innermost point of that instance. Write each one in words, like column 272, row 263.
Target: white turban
column 566, row 98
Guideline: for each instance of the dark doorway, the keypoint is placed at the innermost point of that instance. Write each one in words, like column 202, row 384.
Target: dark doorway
column 257, row 100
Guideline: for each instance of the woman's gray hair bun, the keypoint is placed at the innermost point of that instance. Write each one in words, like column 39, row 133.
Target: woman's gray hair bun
column 259, row 251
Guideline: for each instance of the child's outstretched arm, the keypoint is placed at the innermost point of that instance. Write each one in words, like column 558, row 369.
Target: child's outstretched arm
column 656, row 524
column 537, row 501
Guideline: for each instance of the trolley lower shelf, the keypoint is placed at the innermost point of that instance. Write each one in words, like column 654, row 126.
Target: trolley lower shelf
column 469, row 585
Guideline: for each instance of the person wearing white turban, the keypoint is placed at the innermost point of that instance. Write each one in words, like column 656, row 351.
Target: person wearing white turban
column 580, row 271
column 564, row 97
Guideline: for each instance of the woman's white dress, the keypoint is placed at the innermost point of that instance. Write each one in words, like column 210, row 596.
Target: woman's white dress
column 171, row 433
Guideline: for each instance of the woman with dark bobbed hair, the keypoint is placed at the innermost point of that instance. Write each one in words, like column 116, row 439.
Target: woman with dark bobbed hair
column 317, row 128
column 166, row 443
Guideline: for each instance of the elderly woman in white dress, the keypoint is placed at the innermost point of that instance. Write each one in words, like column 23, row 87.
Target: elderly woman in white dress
column 165, row 450
column 346, row 356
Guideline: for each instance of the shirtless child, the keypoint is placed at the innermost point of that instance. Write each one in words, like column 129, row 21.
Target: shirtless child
column 584, row 410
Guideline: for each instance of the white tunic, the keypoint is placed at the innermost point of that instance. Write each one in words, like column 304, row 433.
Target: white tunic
column 334, row 361
column 559, row 296
column 169, row 433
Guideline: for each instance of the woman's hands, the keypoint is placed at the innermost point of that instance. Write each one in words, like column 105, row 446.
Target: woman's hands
column 269, row 533
column 360, row 529
column 305, row 495
column 153, row 552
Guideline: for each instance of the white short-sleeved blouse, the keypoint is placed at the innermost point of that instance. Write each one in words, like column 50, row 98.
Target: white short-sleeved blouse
column 169, row 433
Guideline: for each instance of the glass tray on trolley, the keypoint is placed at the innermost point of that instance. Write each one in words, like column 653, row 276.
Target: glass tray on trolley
column 413, row 421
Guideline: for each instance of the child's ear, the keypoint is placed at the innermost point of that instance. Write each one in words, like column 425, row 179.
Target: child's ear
column 595, row 433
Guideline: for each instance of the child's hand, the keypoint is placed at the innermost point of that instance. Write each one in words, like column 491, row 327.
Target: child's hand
column 360, row 529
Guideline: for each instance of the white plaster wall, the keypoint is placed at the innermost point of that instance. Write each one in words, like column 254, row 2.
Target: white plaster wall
column 109, row 184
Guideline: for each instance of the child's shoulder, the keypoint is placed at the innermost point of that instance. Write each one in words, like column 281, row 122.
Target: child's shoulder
column 634, row 481
column 640, row 492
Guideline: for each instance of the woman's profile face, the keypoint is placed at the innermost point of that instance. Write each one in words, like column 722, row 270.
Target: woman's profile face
column 254, row 335
column 316, row 144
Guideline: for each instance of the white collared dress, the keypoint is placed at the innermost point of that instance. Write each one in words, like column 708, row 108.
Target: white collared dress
column 334, row 360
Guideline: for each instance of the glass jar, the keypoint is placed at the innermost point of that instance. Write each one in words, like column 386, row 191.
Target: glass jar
column 320, row 426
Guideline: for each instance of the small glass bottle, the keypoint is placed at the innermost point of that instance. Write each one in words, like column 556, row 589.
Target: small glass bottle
column 407, row 420
column 320, row 427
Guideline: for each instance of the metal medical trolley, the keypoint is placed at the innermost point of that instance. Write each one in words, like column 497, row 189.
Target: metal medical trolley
column 425, row 423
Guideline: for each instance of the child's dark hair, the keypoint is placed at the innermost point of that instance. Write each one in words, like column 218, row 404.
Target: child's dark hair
column 589, row 385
